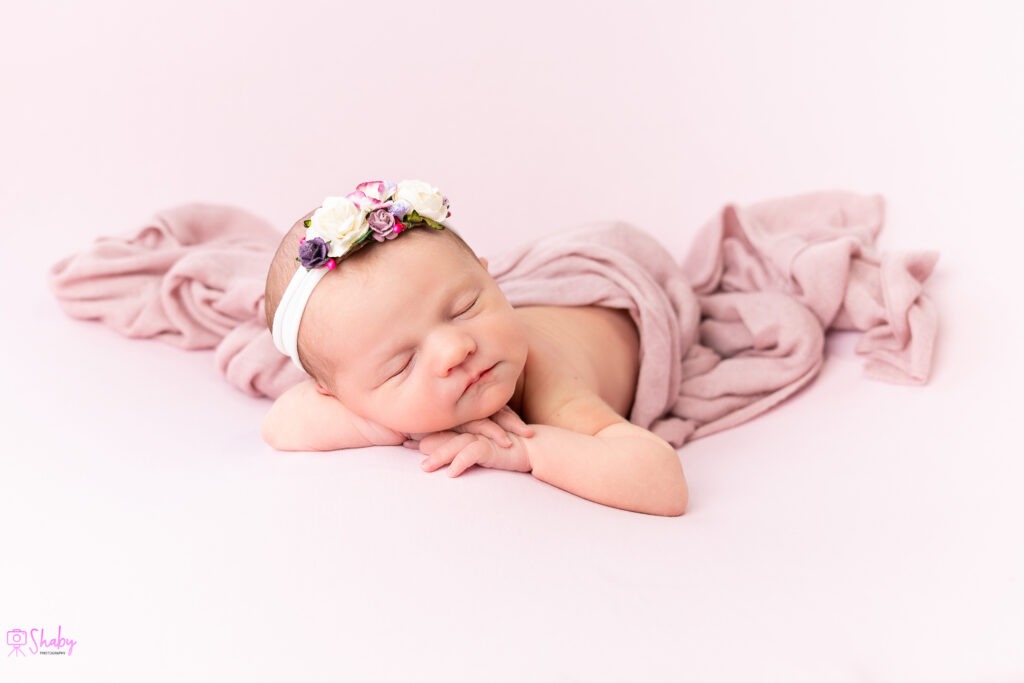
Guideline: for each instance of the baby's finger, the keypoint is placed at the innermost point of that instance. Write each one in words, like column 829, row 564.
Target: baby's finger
column 428, row 443
column 510, row 421
column 466, row 458
column 490, row 429
column 445, row 452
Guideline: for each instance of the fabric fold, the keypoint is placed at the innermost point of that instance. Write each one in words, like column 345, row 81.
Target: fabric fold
column 192, row 277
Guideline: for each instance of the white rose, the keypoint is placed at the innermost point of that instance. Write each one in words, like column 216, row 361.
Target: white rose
column 340, row 222
column 425, row 199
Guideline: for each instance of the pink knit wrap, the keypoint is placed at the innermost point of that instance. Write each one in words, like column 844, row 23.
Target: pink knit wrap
column 735, row 327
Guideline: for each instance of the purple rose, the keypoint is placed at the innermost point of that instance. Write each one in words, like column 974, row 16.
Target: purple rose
column 313, row 253
column 399, row 209
column 382, row 222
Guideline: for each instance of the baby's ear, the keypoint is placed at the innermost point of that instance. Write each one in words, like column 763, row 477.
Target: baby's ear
column 483, row 262
column 320, row 390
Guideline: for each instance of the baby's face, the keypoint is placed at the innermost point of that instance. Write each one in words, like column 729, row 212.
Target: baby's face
column 422, row 340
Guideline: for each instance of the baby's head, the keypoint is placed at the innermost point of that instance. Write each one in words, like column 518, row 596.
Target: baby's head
column 411, row 332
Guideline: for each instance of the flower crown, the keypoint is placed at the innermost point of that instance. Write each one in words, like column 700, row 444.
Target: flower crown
column 377, row 210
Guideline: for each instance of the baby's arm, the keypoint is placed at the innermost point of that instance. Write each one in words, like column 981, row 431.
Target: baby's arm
column 303, row 419
column 622, row 465
column 608, row 460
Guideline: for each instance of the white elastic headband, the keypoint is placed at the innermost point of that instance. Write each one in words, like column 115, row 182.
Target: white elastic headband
column 377, row 211
column 289, row 312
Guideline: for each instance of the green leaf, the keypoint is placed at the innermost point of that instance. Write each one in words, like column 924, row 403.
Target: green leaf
column 307, row 222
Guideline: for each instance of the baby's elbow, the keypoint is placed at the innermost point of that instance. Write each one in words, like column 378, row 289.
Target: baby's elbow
column 271, row 435
column 268, row 435
column 676, row 505
column 671, row 501
column 675, row 494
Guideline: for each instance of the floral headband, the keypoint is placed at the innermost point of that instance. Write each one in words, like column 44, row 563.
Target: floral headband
column 376, row 211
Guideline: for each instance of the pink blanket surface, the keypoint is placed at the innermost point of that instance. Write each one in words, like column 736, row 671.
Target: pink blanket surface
column 731, row 331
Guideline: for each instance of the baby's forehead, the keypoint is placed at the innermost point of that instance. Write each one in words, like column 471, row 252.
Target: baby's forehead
column 386, row 280
column 422, row 251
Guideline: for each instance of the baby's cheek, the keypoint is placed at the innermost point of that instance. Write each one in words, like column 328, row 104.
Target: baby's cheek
column 416, row 416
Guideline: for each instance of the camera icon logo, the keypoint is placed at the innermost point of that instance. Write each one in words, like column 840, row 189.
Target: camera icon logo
column 17, row 639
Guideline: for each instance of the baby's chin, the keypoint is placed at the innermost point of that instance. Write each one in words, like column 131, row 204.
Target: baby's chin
column 429, row 425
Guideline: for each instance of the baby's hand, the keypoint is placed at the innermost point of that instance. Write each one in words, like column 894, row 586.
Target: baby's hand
column 497, row 427
column 487, row 442
column 460, row 451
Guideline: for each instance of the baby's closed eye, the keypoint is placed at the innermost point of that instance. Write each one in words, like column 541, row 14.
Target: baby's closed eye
column 396, row 368
column 465, row 309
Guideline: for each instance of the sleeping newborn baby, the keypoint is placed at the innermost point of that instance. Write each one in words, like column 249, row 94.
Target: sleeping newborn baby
column 407, row 340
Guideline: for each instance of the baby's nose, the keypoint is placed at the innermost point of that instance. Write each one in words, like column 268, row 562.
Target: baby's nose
column 454, row 349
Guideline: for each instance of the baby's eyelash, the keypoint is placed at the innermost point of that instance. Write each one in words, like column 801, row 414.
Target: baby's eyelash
column 402, row 369
column 468, row 308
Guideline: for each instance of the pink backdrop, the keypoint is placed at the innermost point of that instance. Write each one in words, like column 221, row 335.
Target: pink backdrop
column 144, row 514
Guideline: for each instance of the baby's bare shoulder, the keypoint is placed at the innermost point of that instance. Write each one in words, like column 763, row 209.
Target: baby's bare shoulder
column 581, row 360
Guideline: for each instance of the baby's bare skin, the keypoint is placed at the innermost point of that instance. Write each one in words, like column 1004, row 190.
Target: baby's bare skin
column 571, row 350
column 432, row 356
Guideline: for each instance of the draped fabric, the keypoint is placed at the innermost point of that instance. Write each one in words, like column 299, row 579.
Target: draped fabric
column 727, row 331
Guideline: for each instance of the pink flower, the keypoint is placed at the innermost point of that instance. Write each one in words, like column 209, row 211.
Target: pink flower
column 373, row 189
column 361, row 200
